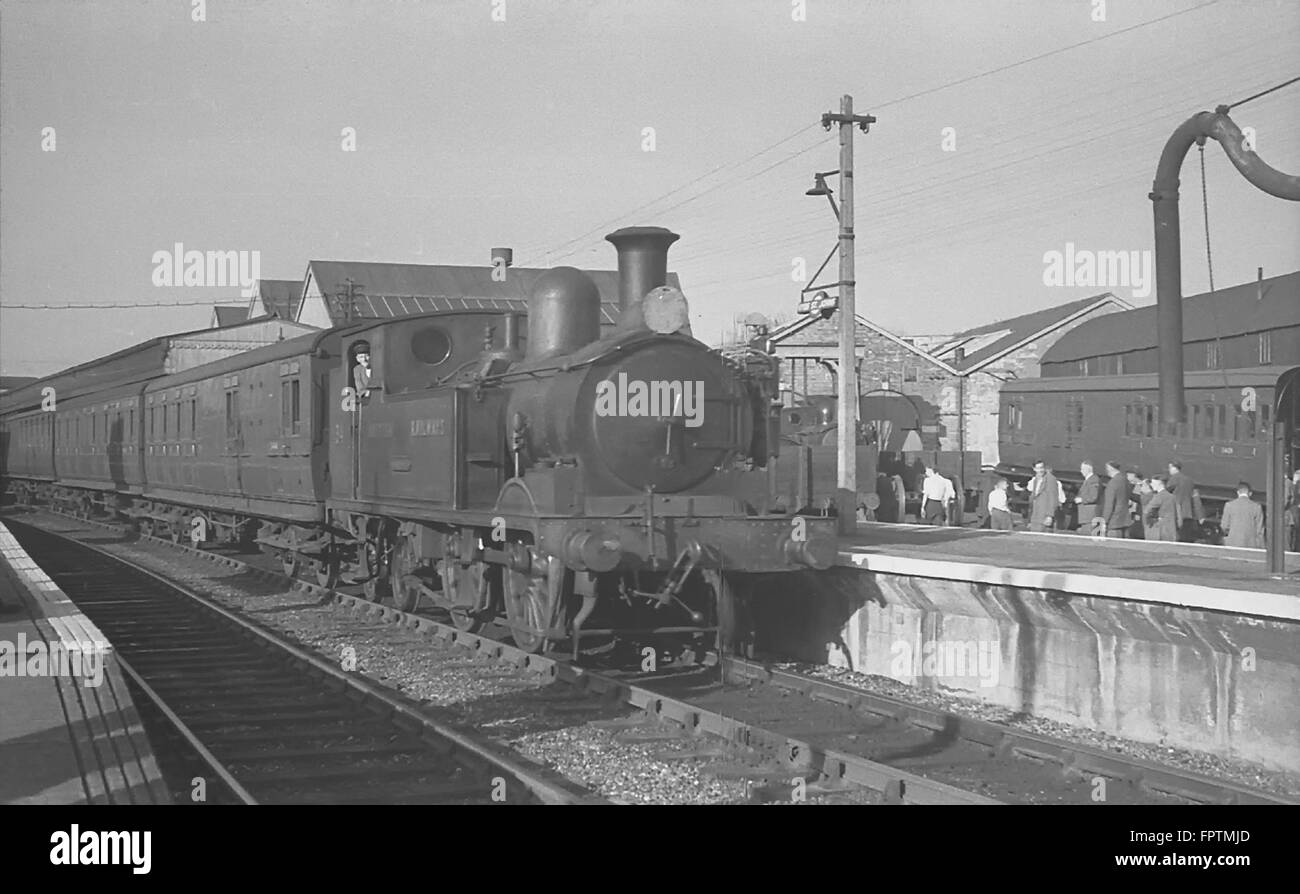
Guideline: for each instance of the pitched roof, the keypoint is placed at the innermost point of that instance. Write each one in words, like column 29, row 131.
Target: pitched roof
column 1220, row 314
column 10, row 383
column 392, row 290
column 228, row 315
column 985, row 344
column 281, row 296
column 806, row 320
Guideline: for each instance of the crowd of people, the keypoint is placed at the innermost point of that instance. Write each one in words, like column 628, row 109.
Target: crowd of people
column 1124, row 504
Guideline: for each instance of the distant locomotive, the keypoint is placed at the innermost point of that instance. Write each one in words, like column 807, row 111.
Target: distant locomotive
column 1064, row 420
column 556, row 480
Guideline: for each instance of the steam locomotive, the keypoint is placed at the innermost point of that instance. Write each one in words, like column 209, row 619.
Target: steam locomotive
column 556, row 480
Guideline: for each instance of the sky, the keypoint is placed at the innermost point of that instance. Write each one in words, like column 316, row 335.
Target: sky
column 1007, row 130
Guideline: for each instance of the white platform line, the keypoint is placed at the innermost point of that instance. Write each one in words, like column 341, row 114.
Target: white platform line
column 1267, row 605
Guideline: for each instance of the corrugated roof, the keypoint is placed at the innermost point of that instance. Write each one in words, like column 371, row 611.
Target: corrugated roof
column 1020, row 329
column 281, row 296
column 391, row 290
column 1219, row 314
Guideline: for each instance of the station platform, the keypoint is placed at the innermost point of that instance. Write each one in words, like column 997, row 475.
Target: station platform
column 69, row 730
column 1217, row 578
column 1185, row 645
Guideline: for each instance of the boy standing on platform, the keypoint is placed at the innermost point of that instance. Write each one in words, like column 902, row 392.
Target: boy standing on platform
column 999, row 511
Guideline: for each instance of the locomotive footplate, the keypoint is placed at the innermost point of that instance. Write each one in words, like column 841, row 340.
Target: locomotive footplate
column 666, row 544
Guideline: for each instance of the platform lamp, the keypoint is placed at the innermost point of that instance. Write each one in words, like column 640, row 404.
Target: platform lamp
column 819, row 188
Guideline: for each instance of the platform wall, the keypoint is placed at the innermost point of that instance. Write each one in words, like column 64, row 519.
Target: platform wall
column 1217, row 682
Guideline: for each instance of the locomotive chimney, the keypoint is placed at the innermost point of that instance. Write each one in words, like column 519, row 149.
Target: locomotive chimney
column 642, row 266
column 563, row 313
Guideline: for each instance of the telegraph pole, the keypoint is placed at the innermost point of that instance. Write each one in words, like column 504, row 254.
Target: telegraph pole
column 350, row 308
column 846, row 497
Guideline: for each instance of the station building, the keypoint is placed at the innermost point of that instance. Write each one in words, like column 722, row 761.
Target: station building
column 947, row 385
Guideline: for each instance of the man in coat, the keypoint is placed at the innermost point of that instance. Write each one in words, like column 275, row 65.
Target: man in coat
column 1088, row 497
column 1044, row 499
column 1243, row 520
column 1161, row 513
column 1115, row 515
column 1180, row 487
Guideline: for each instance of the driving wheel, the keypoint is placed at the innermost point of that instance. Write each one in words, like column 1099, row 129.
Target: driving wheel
column 532, row 605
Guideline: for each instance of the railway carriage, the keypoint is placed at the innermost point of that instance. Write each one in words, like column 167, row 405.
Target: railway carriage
column 1064, row 420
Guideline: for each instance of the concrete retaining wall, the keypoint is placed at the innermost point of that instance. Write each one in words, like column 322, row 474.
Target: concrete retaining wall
column 1217, row 682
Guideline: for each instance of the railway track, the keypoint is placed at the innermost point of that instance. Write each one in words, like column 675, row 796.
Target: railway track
column 272, row 722
column 788, row 731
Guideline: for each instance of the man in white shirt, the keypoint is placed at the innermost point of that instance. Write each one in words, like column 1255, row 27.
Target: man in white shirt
column 936, row 494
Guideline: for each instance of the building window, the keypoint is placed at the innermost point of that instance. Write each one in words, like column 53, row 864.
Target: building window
column 1265, row 348
column 909, row 373
column 1212, row 355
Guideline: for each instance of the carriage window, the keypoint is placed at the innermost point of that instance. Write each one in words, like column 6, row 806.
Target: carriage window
column 1265, row 348
column 232, row 414
column 290, row 407
column 1264, row 412
column 164, row 421
column 194, row 418
column 431, row 345
column 1222, row 429
column 130, row 425
column 1245, row 426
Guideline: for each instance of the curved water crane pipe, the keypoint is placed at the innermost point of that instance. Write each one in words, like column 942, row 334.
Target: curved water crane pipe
column 1218, row 126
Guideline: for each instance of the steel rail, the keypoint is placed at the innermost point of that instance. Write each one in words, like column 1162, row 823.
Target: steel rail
column 1002, row 739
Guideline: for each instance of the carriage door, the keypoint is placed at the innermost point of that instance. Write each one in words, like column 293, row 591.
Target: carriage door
column 345, row 464
column 342, row 434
